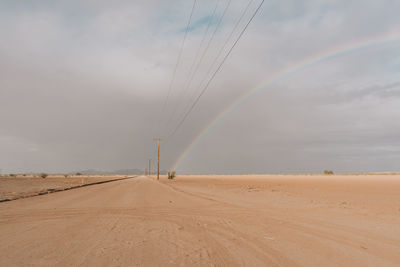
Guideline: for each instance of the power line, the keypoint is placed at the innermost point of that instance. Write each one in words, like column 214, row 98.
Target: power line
column 197, row 55
column 204, row 37
column 202, row 57
column 219, row 53
column 217, row 70
column 179, row 55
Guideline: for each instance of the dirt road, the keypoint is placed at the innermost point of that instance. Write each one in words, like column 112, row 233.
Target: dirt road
column 206, row 222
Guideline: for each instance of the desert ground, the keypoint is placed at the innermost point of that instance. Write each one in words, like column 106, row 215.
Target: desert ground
column 246, row 220
column 27, row 185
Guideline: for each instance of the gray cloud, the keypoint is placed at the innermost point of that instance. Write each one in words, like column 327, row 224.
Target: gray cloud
column 82, row 85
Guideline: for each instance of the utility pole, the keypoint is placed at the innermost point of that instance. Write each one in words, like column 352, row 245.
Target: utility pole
column 158, row 140
column 150, row 172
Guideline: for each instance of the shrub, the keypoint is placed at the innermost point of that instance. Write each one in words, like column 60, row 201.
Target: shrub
column 12, row 175
column 78, row 173
column 43, row 175
column 328, row 172
column 66, row 175
column 171, row 174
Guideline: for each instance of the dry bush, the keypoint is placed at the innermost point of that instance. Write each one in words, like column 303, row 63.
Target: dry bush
column 44, row 175
column 171, row 175
column 328, row 172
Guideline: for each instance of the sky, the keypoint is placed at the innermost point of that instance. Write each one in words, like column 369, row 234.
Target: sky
column 84, row 85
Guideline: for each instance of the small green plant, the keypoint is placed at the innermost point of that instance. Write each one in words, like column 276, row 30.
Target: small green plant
column 171, row 175
column 43, row 175
column 328, row 172
column 78, row 173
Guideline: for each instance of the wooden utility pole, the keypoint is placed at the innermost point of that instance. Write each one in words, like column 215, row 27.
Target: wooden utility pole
column 158, row 140
column 150, row 172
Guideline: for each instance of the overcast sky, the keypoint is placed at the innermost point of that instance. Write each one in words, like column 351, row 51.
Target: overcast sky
column 83, row 85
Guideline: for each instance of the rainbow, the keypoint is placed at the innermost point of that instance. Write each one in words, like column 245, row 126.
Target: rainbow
column 308, row 62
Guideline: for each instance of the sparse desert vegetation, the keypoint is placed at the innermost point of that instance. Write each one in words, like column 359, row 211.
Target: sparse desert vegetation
column 171, row 175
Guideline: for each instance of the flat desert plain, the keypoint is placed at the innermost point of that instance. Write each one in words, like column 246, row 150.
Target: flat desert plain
column 20, row 186
column 269, row 220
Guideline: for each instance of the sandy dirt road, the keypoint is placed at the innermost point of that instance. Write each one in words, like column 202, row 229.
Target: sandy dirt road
column 197, row 221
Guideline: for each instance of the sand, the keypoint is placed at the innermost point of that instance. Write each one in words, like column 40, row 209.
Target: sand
column 21, row 186
column 270, row 220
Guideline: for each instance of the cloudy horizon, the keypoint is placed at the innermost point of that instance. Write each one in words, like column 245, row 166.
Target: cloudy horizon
column 83, row 86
